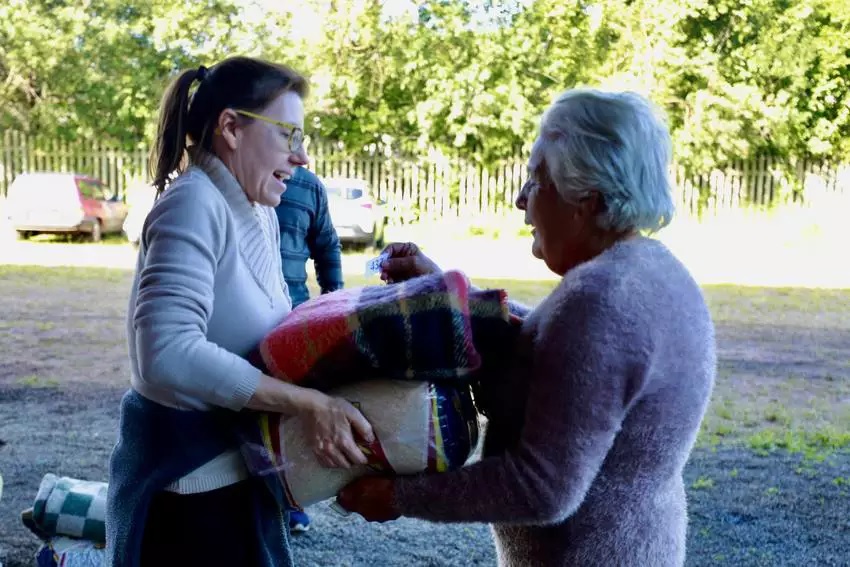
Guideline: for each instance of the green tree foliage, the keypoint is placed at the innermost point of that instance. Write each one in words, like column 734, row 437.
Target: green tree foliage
column 735, row 77
column 764, row 77
column 95, row 70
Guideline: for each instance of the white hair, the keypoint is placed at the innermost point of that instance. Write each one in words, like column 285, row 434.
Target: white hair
column 613, row 143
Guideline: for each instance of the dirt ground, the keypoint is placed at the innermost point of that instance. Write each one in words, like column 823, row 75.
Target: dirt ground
column 769, row 483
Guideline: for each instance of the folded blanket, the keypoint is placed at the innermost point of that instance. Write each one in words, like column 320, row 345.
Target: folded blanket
column 406, row 354
column 419, row 427
column 430, row 328
column 69, row 507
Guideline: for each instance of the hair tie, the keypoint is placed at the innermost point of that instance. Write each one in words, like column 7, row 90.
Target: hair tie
column 201, row 73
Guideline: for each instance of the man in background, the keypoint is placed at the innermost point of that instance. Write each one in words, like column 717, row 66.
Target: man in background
column 306, row 232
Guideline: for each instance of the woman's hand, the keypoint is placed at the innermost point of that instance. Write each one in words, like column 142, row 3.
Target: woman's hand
column 371, row 497
column 331, row 425
column 406, row 261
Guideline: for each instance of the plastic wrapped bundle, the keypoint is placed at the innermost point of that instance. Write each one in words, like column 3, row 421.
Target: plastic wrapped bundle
column 70, row 552
column 419, row 427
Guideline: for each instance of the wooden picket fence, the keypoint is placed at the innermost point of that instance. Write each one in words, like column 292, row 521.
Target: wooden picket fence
column 434, row 186
column 430, row 187
column 117, row 168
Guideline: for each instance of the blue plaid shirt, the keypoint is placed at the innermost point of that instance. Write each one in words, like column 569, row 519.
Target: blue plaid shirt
column 306, row 232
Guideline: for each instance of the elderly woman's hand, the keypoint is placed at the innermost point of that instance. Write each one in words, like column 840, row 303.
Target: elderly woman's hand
column 371, row 497
column 331, row 425
column 406, row 261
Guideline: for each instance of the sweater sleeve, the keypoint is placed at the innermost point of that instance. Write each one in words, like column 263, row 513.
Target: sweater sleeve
column 324, row 246
column 184, row 239
column 586, row 370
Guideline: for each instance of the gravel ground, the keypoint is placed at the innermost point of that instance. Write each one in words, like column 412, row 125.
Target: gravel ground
column 783, row 369
column 745, row 509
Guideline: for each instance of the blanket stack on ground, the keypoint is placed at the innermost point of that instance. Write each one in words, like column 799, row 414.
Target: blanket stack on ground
column 69, row 516
column 407, row 354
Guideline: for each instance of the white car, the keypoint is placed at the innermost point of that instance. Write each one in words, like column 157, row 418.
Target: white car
column 140, row 199
column 53, row 202
column 356, row 214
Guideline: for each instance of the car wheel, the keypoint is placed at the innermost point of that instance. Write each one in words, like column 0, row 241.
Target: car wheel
column 23, row 235
column 96, row 232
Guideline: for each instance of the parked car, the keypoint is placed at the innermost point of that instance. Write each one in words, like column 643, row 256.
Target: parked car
column 69, row 203
column 358, row 217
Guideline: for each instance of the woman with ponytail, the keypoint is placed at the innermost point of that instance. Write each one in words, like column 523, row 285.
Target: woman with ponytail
column 208, row 286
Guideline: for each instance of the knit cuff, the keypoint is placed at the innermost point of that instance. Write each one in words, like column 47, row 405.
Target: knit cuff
column 244, row 390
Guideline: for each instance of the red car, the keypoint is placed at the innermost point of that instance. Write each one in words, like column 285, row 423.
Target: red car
column 63, row 203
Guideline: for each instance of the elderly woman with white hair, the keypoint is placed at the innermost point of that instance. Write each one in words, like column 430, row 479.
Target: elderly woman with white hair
column 590, row 429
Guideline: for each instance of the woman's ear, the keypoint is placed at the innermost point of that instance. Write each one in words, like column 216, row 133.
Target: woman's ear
column 592, row 204
column 227, row 128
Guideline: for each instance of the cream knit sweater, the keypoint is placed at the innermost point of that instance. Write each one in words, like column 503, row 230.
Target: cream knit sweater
column 207, row 289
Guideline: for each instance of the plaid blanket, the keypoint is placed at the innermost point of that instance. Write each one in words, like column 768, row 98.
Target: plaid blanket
column 433, row 329
column 69, row 507
column 430, row 328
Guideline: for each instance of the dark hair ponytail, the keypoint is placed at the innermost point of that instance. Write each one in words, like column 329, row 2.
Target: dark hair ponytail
column 238, row 82
column 170, row 142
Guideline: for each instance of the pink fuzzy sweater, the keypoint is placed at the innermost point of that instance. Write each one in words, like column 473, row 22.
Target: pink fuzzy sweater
column 593, row 425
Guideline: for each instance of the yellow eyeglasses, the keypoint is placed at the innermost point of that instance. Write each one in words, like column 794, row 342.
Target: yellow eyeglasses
column 296, row 134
